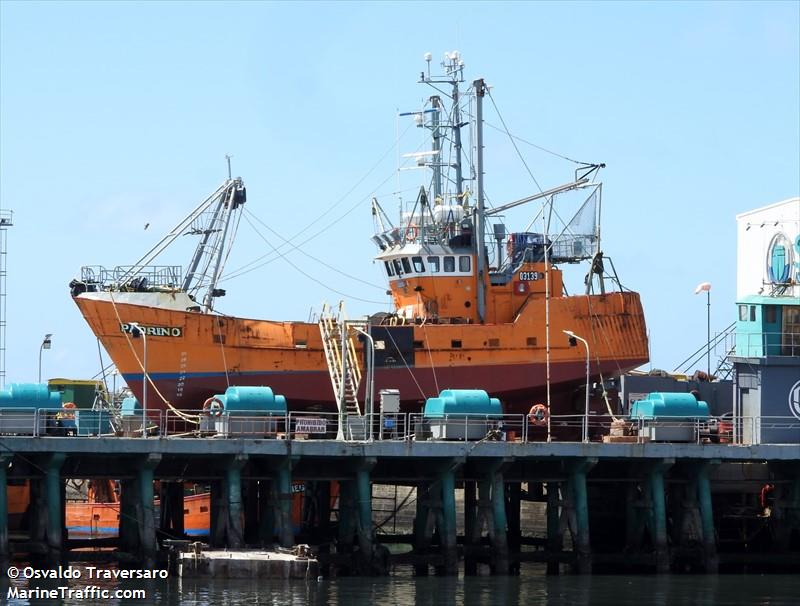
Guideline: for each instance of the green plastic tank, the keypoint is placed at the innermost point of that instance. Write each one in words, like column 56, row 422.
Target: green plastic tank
column 29, row 395
column 672, row 405
column 248, row 399
column 452, row 402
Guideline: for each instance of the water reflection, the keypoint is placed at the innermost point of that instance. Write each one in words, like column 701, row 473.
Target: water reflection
column 403, row 589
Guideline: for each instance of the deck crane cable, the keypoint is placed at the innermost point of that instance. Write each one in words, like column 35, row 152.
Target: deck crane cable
column 245, row 269
column 329, row 209
column 430, row 356
column 539, row 147
column 402, row 357
column 218, row 322
column 592, row 317
column 312, row 257
column 525, row 164
column 310, row 277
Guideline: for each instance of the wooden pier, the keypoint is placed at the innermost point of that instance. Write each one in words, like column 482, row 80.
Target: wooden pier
column 652, row 507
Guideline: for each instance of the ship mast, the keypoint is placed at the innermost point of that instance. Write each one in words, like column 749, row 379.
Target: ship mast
column 454, row 75
column 480, row 92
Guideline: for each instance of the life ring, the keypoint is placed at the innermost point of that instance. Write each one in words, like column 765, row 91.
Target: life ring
column 412, row 233
column 538, row 415
column 68, row 411
column 213, row 407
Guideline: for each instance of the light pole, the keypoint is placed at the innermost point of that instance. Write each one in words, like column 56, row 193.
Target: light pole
column 706, row 287
column 370, row 379
column 136, row 332
column 572, row 336
column 46, row 344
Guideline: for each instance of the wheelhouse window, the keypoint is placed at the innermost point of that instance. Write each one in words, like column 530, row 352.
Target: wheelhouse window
column 433, row 264
column 449, row 264
column 406, row 265
column 463, row 263
column 791, row 331
column 419, row 266
column 397, row 269
column 389, row 269
column 743, row 313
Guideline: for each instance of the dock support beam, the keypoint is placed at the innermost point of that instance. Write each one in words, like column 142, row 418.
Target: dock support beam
column 347, row 518
column 470, row 522
column 554, row 530
column 423, row 526
column 447, row 531
column 232, row 489
column 513, row 498
column 659, row 513
column 282, row 498
column 579, row 514
column 47, row 507
column 499, row 534
column 364, row 517
column 137, row 528
column 703, row 488
column 171, row 523
column 147, row 521
column 4, row 553
column 266, row 513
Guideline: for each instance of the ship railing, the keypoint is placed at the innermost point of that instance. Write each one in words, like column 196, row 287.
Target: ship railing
column 135, row 278
column 466, row 427
column 761, row 344
column 308, row 425
column 56, row 422
column 222, row 424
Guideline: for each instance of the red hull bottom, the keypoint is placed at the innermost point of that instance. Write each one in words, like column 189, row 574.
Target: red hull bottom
column 518, row 386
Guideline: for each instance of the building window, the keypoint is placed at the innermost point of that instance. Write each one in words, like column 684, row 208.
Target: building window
column 433, row 264
column 743, row 313
column 419, row 266
column 463, row 263
column 449, row 264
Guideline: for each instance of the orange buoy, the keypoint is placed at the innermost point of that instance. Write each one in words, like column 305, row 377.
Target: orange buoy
column 213, row 406
column 538, row 415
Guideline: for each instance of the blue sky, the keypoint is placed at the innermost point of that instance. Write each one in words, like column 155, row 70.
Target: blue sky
column 115, row 115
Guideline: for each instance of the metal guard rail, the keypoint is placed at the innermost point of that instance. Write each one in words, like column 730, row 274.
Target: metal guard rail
column 52, row 422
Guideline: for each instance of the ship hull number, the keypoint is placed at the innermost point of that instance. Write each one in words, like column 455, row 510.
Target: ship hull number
column 531, row 276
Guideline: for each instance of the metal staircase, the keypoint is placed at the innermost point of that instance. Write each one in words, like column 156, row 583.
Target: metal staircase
column 344, row 370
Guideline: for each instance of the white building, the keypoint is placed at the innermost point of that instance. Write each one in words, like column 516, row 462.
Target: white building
column 768, row 260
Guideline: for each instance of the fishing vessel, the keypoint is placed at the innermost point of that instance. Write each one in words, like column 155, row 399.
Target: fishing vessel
column 473, row 303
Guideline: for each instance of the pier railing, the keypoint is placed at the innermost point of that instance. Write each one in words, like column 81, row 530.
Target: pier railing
column 308, row 425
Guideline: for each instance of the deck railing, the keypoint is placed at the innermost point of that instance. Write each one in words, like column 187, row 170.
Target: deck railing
column 408, row 427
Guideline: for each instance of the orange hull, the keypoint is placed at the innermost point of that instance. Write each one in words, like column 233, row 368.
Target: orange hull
column 200, row 354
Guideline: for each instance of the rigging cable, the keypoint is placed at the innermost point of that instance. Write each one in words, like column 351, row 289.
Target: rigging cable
column 403, row 358
column 286, row 258
column 310, row 256
column 182, row 415
column 330, row 208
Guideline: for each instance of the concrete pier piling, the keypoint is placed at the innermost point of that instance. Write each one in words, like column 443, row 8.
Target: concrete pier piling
column 647, row 507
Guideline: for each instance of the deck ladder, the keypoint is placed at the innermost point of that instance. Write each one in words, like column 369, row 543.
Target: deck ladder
column 345, row 371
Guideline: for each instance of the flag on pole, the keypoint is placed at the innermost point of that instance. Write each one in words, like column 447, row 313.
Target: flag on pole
column 702, row 287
